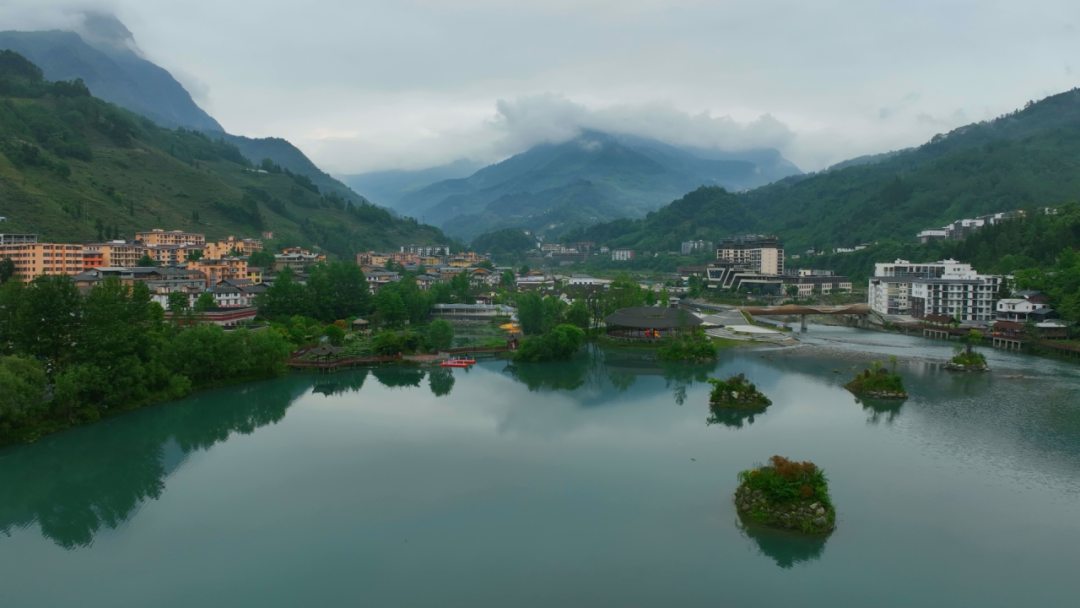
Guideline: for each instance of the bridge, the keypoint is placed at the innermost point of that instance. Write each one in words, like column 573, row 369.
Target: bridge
column 802, row 311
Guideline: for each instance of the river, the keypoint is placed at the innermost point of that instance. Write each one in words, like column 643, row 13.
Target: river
column 601, row 481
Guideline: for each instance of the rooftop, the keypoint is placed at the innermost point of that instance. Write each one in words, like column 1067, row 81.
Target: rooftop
column 653, row 317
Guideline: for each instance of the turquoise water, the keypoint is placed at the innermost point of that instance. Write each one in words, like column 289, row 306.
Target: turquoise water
column 595, row 482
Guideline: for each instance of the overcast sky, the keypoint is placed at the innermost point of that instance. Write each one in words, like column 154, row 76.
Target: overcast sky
column 363, row 86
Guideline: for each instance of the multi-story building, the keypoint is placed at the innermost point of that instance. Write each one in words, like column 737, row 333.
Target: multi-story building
column 157, row 236
column 172, row 255
column 372, row 258
column 217, row 270
column 622, row 255
column 945, row 287
column 733, row 276
column 232, row 246
column 810, row 281
column 17, row 239
column 32, row 260
column 466, row 259
column 960, row 229
column 160, row 281
column 119, row 253
column 761, row 253
column 297, row 261
column 427, row 250
column 691, row 247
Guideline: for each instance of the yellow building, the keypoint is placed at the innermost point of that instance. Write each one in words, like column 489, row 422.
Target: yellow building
column 372, row 259
column 220, row 269
column 254, row 274
column 119, row 253
column 157, row 236
column 231, row 245
column 171, row 255
column 464, row 260
column 35, row 259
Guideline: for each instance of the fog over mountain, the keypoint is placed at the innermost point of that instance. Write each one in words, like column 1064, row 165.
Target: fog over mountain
column 366, row 86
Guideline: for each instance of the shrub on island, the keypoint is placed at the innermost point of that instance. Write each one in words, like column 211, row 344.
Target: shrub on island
column 786, row 494
column 693, row 347
column 966, row 358
column 736, row 393
column 879, row 383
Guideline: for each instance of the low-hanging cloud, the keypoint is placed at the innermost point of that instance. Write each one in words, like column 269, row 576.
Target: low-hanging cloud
column 527, row 121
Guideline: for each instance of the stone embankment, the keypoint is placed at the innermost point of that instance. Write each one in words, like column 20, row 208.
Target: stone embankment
column 809, row 515
column 960, row 367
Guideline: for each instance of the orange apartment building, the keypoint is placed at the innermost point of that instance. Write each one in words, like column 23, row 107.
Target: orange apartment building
column 217, row 270
column 119, row 253
column 171, row 255
column 35, row 259
column 226, row 246
column 157, row 236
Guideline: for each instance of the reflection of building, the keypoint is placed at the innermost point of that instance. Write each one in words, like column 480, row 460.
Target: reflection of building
column 760, row 253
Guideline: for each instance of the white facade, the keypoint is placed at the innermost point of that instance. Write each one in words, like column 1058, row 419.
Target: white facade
column 622, row 255
column 581, row 279
column 1017, row 309
column 945, row 287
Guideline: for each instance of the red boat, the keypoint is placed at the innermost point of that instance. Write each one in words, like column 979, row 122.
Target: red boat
column 457, row 363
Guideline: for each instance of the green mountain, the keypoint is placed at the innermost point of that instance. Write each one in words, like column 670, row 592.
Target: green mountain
column 75, row 168
column 111, row 65
column 388, row 187
column 628, row 176
column 1025, row 159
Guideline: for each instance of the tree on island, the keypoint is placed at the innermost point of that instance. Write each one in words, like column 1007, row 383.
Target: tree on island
column 559, row 344
column 787, row 494
column 737, row 392
column 966, row 357
column 879, row 383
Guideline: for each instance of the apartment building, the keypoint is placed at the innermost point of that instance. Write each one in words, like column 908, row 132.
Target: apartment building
column 298, row 261
column 35, row 259
column 960, row 229
column 217, row 270
column 17, row 239
column 427, row 250
column 160, row 237
column 622, row 255
column 761, row 253
column 232, row 246
column 119, row 253
column 945, row 287
column 691, row 247
column 172, row 255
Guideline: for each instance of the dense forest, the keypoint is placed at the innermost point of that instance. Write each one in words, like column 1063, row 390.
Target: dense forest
column 74, row 168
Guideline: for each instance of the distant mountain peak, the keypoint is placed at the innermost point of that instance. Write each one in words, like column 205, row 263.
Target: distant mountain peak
column 105, row 32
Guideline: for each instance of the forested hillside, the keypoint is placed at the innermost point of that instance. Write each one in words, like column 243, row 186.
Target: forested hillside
column 75, row 168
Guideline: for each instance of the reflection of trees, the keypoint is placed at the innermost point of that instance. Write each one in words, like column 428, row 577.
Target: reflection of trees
column 75, row 483
column 731, row 418
column 340, row 383
column 785, row 547
column 684, row 376
column 441, row 381
column 561, row 376
column 398, row 376
column 879, row 409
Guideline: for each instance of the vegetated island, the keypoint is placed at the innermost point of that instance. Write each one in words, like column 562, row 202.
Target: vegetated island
column 689, row 347
column 736, row 393
column 786, row 494
column 967, row 359
column 879, row 383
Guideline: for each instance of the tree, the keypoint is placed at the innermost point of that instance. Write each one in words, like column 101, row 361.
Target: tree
column 461, row 286
column 391, row 307
column 205, row 301
column 665, row 298
column 554, row 312
column 194, row 256
column 508, row 278
column 487, row 265
column 440, row 334
column 578, row 314
column 146, row 261
column 337, row 290
column 7, row 270
column 22, row 383
column 792, row 291
column 47, row 321
column 178, row 302
column 334, row 334
column 524, row 271
column 262, row 259
column 972, row 340
column 650, row 297
column 559, row 344
column 530, row 310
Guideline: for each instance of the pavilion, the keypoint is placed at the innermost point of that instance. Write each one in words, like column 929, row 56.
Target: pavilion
column 649, row 322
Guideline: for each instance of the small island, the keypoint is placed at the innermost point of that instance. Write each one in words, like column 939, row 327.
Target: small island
column 878, row 383
column 967, row 359
column 786, row 494
column 736, row 393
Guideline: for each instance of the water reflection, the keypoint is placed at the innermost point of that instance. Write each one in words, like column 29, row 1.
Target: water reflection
column 732, row 418
column 441, row 382
column 77, row 483
column 784, row 547
column 881, row 409
column 397, row 376
column 338, row 384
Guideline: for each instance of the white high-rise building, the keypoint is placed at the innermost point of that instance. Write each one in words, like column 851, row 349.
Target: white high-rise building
column 944, row 288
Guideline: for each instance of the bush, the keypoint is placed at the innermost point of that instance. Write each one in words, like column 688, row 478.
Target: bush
column 388, row 343
column 334, row 334
column 687, row 347
column 559, row 344
column 22, row 384
column 736, row 392
column 440, row 334
column 878, row 380
column 788, row 480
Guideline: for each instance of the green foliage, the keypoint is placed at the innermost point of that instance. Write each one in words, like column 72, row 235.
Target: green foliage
column 508, row 244
column 440, row 334
column 334, row 290
column 205, row 301
column 687, row 347
column 262, row 259
column 334, row 334
column 109, row 351
column 559, row 344
column 578, row 314
column 878, row 380
column 785, row 481
column 736, row 392
column 530, row 310
column 389, row 343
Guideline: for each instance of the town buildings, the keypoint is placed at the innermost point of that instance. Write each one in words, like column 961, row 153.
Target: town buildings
column 17, row 239
column 622, row 255
column 960, row 229
column 232, row 246
column 33, row 259
column 157, row 236
column 427, row 250
column 763, row 254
